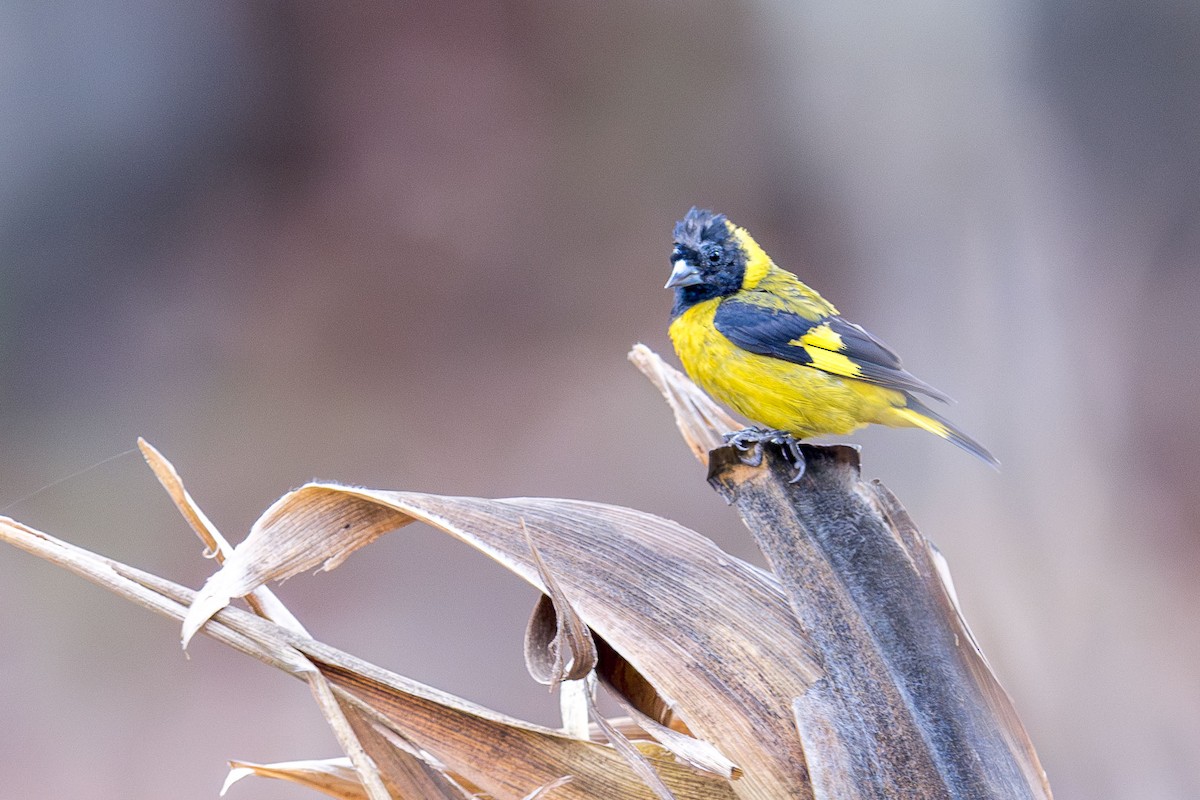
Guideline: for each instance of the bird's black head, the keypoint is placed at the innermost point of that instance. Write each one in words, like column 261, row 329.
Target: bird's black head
column 707, row 260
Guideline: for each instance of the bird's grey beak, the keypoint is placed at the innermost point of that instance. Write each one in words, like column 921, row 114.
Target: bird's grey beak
column 684, row 274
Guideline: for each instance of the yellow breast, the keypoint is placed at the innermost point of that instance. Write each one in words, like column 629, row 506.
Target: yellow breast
column 779, row 394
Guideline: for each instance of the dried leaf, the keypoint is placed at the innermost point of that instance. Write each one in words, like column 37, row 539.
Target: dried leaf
column 705, row 629
column 502, row 755
column 571, row 633
column 169, row 478
column 545, row 652
column 334, row 776
column 621, row 678
column 636, row 759
column 262, row 600
column 406, row 774
column 698, row 753
column 548, row 789
column 360, row 527
column 267, row 605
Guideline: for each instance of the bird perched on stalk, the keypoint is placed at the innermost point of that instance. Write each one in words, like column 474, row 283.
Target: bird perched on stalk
column 756, row 338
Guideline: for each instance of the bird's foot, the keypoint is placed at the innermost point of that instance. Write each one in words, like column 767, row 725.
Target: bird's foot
column 751, row 440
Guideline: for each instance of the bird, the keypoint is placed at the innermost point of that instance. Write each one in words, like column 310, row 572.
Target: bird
column 755, row 337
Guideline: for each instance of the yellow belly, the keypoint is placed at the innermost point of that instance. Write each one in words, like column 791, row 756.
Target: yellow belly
column 779, row 394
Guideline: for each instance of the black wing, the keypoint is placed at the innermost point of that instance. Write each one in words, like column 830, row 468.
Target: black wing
column 828, row 343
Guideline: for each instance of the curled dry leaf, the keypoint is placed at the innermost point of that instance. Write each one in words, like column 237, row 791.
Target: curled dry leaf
column 707, row 630
column 556, row 632
column 573, row 635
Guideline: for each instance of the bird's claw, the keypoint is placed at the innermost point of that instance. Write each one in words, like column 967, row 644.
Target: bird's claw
column 751, row 440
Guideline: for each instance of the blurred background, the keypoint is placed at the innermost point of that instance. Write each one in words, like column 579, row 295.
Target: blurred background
column 408, row 245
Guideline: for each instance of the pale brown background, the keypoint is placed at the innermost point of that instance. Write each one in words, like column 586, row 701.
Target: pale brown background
column 407, row 245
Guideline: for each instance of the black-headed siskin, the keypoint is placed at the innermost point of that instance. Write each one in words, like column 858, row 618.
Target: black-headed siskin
column 756, row 338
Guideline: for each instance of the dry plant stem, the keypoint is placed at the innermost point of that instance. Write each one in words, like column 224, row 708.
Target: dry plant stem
column 570, row 653
column 262, row 600
column 149, row 591
column 901, row 709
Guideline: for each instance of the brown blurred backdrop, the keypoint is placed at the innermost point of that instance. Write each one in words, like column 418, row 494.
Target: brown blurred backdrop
column 408, row 245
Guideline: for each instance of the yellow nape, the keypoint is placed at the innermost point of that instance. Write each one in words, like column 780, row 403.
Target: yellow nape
column 758, row 263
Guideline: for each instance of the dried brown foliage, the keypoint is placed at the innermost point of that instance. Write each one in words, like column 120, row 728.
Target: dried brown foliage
column 846, row 671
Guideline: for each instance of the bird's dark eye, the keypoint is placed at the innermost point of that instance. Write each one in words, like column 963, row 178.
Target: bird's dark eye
column 713, row 255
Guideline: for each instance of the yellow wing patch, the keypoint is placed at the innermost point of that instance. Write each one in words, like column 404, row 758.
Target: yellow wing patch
column 821, row 336
column 835, row 363
column 822, row 344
